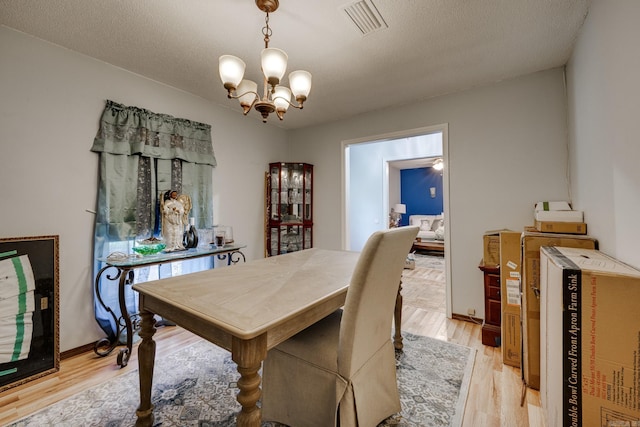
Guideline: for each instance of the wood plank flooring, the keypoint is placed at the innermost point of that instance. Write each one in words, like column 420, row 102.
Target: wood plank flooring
column 494, row 395
column 496, row 389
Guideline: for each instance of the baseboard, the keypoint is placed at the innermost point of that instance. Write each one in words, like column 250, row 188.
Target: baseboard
column 466, row 318
column 76, row 351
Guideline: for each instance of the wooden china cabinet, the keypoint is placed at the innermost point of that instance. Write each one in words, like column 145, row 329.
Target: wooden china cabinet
column 492, row 305
column 289, row 208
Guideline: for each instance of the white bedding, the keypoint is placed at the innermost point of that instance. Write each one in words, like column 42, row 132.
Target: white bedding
column 431, row 226
column 426, row 235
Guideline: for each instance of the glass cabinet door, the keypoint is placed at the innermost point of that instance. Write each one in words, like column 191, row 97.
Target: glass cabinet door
column 289, row 208
column 307, row 193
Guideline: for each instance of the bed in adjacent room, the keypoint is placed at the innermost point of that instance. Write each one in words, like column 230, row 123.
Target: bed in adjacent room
column 431, row 234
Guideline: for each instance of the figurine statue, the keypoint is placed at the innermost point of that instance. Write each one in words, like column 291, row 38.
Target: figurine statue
column 175, row 210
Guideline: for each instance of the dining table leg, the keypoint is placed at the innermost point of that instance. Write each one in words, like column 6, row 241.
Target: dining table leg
column 146, row 361
column 248, row 355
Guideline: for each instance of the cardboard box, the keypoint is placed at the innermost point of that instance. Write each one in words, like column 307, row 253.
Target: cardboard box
column 591, row 327
column 510, row 297
column 561, row 227
column 491, row 245
column 560, row 216
column 531, row 244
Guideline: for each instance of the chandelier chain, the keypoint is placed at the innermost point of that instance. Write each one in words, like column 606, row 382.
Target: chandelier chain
column 266, row 31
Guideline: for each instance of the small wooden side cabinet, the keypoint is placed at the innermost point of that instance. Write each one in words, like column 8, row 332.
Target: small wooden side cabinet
column 492, row 309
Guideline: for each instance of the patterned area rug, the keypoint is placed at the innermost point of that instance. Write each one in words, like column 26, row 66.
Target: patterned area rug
column 429, row 261
column 196, row 386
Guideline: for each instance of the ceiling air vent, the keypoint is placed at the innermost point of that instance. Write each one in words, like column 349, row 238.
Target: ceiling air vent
column 364, row 14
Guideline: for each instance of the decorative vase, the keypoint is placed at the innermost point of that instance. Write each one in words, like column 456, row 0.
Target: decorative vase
column 190, row 238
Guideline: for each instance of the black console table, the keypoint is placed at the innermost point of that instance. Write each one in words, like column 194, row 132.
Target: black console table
column 124, row 275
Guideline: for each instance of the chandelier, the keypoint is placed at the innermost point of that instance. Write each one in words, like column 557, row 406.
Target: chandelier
column 276, row 98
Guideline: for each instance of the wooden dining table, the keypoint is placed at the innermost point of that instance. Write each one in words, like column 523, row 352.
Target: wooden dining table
column 246, row 309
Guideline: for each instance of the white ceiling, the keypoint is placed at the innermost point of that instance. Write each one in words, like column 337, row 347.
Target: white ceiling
column 431, row 47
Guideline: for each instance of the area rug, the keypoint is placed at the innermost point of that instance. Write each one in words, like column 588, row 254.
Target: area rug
column 429, row 261
column 196, row 386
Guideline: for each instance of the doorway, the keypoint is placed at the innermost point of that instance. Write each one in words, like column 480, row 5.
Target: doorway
column 366, row 183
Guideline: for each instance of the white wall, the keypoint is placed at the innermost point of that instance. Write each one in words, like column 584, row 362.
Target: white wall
column 374, row 187
column 395, row 188
column 51, row 100
column 604, row 126
column 507, row 150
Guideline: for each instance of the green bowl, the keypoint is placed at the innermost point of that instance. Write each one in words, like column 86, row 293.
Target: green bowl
column 149, row 249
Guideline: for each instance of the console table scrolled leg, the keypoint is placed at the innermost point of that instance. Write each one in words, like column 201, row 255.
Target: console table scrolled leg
column 105, row 346
column 234, row 257
column 125, row 353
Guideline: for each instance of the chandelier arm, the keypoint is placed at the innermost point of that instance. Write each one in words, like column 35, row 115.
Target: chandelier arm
column 230, row 96
column 299, row 106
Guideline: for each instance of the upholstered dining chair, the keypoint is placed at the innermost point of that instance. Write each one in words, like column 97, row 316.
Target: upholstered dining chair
column 341, row 370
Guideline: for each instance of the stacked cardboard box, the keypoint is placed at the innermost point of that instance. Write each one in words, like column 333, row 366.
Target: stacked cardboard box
column 561, row 227
column 531, row 244
column 491, row 248
column 510, row 297
column 519, row 290
column 558, row 217
column 590, row 364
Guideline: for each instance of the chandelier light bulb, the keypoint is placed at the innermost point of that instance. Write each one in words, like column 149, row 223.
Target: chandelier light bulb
column 282, row 99
column 274, row 64
column 247, row 92
column 300, row 82
column 231, row 70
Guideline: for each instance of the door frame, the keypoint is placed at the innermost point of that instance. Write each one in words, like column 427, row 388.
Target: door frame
column 444, row 130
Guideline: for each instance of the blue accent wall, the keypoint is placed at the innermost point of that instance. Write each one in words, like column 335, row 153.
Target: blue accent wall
column 414, row 192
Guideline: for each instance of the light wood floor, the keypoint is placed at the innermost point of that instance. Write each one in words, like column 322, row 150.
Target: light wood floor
column 496, row 389
column 494, row 395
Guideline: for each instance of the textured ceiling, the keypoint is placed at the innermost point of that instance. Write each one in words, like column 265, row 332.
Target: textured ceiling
column 429, row 48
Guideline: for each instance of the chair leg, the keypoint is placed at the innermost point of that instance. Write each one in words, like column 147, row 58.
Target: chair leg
column 397, row 338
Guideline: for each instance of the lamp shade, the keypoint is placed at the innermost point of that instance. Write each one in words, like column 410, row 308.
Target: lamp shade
column 231, row 70
column 300, row 82
column 281, row 98
column 400, row 208
column 248, row 92
column 274, row 64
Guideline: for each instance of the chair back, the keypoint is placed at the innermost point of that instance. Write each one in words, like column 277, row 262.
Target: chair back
column 369, row 306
